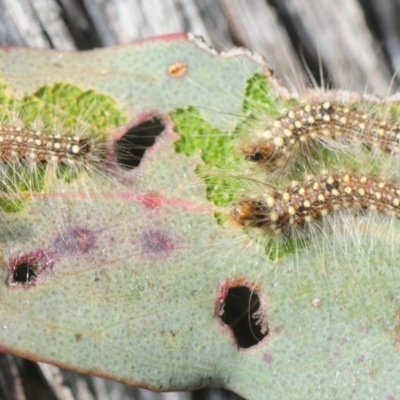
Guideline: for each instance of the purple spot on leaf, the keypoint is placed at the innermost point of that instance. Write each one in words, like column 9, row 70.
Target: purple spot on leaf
column 75, row 241
column 267, row 358
column 361, row 359
column 157, row 241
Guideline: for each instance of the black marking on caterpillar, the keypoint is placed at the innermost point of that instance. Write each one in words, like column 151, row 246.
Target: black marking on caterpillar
column 278, row 143
column 309, row 201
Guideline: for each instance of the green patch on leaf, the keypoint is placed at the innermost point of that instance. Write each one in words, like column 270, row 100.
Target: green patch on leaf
column 217, row 150
column 18, row 183
column 260, row 104
column 223, row 164
column 68, row 108
column 3, row 95
column 260, row 98
column 67, row 173
column 276, row 249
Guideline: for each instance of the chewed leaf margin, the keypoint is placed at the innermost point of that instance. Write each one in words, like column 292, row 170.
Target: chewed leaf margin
column 223, row 166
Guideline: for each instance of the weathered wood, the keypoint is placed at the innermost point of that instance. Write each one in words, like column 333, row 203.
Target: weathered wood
column 255, row 25
column 348, row 40
column 335, row 34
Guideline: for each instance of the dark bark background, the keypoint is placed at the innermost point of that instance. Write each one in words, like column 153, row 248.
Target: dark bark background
column 347, row 44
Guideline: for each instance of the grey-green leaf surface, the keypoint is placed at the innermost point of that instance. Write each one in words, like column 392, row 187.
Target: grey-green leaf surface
column 135, row 264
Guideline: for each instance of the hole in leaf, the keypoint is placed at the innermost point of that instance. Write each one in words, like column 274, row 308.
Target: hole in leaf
column 27, row 269
column 131, row 148
column 25, row 272
column 242, row 311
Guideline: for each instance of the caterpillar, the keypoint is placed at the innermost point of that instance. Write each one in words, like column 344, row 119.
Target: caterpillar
column 309, row 201
column 21, row 143
column 292, row 132
column 50, row 137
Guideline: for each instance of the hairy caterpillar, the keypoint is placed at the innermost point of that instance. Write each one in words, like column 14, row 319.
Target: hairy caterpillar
column 32, row 153
column 309, row 201
column 50, row 137
column 17, row 143
column 300, row 127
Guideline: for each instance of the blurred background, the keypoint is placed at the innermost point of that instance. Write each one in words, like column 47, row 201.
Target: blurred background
column 345, row 44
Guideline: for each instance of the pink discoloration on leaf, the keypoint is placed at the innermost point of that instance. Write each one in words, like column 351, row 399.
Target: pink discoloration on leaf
column 27, row 269
column 157, row 242
column 361, row 359
column 152, row 200
column 75, row 241
column 155, row 201
column 343, row 341
column 268, row 358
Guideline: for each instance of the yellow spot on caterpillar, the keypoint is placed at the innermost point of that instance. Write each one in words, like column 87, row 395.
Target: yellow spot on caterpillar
column 348, row 189
column 75, row 149
column 326, row 106
column 287, row 132
column 326, row 118
column 274, row 216
column 278, row 141
column 270, row 201
column 330, row 180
